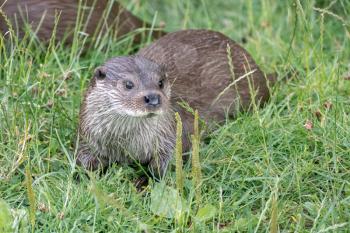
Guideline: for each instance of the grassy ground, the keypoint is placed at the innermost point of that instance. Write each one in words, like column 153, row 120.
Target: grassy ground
column 285, row 167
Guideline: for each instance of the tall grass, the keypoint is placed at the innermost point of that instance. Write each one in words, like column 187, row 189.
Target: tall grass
column 241, row 161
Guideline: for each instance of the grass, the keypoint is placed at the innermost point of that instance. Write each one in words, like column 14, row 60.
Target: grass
column 284, row 167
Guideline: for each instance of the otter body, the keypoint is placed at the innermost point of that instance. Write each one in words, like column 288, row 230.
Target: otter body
column 98, row 16
column 127, row 113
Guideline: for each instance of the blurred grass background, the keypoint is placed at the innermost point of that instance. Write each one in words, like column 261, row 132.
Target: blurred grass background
column 284, row 167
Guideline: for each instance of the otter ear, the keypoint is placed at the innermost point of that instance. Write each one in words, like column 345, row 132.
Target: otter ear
column 100, row 72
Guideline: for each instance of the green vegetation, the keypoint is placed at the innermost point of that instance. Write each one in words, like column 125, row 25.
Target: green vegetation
column 284, row 167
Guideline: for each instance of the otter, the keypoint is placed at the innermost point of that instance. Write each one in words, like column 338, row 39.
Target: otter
column 97, row 16
column 127, row 114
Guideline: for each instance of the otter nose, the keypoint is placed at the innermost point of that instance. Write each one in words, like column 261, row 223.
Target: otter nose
column 152, row 100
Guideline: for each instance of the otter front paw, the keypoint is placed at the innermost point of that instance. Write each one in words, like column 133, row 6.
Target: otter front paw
column 141, row 183
column 158, row 167
column 89, row 161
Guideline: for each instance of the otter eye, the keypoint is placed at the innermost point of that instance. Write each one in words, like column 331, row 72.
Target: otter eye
column 129, row 85
column 161, row 83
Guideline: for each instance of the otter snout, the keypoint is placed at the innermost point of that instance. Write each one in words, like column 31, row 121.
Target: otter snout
column 152, row 100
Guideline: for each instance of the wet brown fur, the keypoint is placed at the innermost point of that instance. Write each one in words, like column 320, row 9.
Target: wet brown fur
column 198, row 66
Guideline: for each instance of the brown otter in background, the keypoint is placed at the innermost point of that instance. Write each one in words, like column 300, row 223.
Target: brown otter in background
column 98, row 16
column 127, row 114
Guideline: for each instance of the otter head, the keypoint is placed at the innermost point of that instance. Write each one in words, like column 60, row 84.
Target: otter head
column 132, row 86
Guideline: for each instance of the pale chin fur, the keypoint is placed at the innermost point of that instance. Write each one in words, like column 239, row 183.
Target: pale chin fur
column 138, row 113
